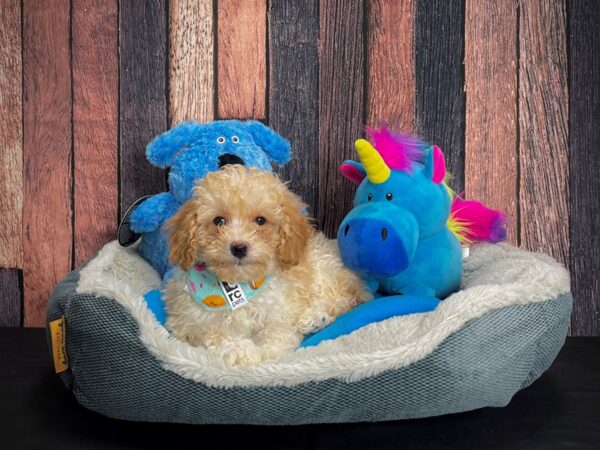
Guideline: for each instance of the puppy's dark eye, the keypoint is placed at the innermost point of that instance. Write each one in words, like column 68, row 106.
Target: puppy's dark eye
column 389, row 196
column 260, row 220
column 369, row 197
column 218, row 221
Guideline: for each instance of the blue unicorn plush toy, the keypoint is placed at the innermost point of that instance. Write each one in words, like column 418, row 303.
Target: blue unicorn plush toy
column 405, row 231
column 192, row 150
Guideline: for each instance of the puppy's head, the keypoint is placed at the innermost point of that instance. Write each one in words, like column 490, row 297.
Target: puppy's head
column 241, row 222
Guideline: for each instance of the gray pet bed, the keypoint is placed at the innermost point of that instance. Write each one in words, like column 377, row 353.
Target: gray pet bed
column 482, row 345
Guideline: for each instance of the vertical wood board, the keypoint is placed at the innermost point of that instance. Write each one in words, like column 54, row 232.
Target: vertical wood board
column 341, row 104
column 242, row 67
column 95, row 124
column 491, row 107
column 47, row 209
column 191, row 71
column 293, row 91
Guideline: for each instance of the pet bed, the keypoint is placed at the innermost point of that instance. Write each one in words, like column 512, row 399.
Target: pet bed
column 495, row 336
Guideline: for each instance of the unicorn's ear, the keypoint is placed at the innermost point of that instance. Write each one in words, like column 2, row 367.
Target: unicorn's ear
column 353, row 171
column 435, row 165
column 274, row 145
column 164, row 148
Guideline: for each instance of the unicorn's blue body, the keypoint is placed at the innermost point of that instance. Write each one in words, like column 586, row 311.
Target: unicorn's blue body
column 397, row 234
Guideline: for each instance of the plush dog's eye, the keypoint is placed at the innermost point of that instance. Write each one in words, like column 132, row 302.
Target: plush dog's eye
column 389, row 196
column 260, row 220
column 220, row 140
column 369, row 197
column 235, row 139
column 218, row 221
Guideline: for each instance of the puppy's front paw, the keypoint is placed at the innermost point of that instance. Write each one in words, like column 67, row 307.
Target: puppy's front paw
column 241, row 353
column 312, row 321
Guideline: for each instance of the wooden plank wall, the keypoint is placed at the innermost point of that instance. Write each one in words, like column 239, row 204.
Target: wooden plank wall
column 509, row 89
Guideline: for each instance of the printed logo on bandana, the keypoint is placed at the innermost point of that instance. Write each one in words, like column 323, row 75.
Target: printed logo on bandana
column 234, row 294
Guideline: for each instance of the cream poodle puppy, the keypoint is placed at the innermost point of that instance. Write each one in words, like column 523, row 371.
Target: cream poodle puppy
column 253, row 274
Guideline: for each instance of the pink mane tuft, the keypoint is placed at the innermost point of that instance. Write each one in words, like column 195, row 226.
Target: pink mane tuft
column 477, row 222
column 397, row 150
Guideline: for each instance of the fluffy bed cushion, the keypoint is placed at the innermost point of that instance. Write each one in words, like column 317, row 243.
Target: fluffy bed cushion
column 479, row 347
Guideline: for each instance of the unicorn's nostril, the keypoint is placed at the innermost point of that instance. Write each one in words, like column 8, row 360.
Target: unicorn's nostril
column 346, row 229
column 384, row 233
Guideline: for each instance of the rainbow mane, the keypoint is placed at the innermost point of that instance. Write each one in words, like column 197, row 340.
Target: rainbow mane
column 398, row 151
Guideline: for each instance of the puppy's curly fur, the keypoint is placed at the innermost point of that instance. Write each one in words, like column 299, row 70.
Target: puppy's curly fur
column 309, row 285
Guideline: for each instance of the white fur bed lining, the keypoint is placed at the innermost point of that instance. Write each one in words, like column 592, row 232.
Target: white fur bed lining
column 495, row 276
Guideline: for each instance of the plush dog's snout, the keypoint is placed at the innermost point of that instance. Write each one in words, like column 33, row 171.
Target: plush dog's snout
column 229, row 158
column 239, row 249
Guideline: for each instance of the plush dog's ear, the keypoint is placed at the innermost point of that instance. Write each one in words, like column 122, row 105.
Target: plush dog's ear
column 163, row 149
column 274, row 145
column 183, row 230
column 295, row 230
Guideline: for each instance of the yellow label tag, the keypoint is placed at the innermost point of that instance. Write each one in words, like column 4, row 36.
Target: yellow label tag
column 58, row 332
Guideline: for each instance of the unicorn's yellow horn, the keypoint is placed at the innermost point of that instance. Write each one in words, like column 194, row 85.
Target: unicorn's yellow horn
column 377, row 171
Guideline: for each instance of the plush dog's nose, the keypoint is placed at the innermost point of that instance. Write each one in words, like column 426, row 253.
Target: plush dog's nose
column 239, row 249
column 229, row 158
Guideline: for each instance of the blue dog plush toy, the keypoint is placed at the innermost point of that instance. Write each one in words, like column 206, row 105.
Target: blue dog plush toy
column 192, row 150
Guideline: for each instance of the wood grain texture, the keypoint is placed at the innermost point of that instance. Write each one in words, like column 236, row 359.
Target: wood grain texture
column 391, row 70
column 439, row 74
column 191, row 43
column 143, row 98
column 11, row 131
column 95, row 124
column 10, row 298
column 584, row 145
column 47, row 205
column 293, row 91
column 543, row 122
column 242, row 62
column 491, row 107
column 341, row 104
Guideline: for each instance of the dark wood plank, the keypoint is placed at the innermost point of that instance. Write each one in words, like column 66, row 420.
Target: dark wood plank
column 10, row 298
column 47, row 227
column 341, row 103
column 584, row 145
column 491, row 107
column 95, row 124
column 142, row 90
column 11, row 130
column 391, row 71
column 191, row 44
column 440, row 99
column 293, row 91
column 544, row 129
column 242, row 62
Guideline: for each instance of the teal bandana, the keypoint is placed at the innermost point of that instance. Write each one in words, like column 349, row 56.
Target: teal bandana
column 216, row 295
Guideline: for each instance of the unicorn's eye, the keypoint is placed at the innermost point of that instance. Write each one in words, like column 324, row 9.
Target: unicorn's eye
column 369, row 197
column 220, row 140
column 235, row 139
column 218, row 221
column 389, row 196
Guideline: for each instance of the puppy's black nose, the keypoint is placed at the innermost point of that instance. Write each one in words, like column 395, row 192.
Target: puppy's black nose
column 239, row 249
column 228, row 158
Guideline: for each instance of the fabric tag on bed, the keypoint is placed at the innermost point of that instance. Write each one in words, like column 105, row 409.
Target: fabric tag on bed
column 58, row 334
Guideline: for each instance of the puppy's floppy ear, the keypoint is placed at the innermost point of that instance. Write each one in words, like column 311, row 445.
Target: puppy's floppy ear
column 183, row 230
column 295, row 230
